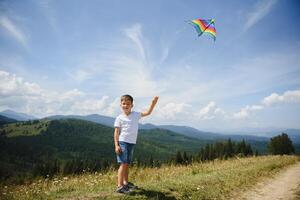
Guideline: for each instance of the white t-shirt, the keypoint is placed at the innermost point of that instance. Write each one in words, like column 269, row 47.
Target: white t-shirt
column 129, row 126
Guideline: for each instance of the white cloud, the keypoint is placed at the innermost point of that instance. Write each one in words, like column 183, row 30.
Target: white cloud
column 172, row 110
column 287, row 97
column 262, row 8
column 11, row 85
column 13, row 30
column 71, row 95
column 271, row 100
column 246, row 111
column 89, row 106
column 28, row 97
column 210, row 111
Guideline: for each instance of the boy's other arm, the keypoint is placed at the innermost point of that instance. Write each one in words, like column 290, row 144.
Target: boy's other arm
column 152, row 105
column 116, row 139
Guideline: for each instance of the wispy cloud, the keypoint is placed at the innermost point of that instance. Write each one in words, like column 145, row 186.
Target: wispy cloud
column 135, row 34
column 81, row 74
column 13, row 30
column 267, row 70
column 261, row 9
column 164, row 54
column 49, row 13
column 123, row 64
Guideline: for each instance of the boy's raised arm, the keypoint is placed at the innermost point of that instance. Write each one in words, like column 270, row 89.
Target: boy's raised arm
column 152, row 105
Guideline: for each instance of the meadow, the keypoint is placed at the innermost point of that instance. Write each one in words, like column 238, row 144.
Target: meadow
column 218, row 179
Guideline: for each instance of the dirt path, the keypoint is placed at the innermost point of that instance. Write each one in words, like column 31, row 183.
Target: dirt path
column 283, row 186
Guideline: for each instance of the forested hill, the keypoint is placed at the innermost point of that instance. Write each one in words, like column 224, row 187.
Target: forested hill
column 6, row 120
column 35, row 147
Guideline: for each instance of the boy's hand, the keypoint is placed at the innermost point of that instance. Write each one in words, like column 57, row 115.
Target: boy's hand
column 155, row 99
column 118, row 150
column 153, row 103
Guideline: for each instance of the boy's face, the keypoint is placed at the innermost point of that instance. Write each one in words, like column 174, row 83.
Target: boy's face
column 126, row 106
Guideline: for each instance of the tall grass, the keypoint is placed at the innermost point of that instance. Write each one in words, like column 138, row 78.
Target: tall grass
column 219, row 179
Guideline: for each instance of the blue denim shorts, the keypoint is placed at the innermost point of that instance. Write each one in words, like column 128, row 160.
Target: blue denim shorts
column 127, row 151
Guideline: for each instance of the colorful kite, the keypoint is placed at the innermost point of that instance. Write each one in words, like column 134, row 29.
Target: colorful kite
column 204, row 26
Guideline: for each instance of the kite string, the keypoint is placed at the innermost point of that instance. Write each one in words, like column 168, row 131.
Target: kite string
column 182, row 29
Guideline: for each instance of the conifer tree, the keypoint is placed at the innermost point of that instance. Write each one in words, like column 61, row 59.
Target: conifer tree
column 281, row 144
column 178, row 159
column 185, row 158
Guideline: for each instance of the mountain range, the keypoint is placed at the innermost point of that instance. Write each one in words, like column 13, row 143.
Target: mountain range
column 39, row 147
column 254, row 134
column 17, row 115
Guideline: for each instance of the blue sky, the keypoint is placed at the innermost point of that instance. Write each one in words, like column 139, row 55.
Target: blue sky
column 79, row 57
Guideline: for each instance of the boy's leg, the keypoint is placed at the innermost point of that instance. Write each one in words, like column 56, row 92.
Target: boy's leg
column 130, row 148
column 120, row 176
column 124, row 159
column 121, row 159
column 125, row 180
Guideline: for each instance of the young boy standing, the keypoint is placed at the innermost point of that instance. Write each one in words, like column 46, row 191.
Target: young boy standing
column 125, row 136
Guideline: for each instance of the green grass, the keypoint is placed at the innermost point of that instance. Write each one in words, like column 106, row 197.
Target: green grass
column 21, row 129
column 213, row 180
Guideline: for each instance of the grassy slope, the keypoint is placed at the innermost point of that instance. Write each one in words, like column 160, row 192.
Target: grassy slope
column 69, row 136
column 27, row 144
column 21, row 129
column 213, row 180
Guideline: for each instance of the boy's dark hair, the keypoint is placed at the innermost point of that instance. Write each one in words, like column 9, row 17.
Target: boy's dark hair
column 127, row 97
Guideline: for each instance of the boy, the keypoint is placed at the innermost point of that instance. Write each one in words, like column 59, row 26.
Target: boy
column 125, row 136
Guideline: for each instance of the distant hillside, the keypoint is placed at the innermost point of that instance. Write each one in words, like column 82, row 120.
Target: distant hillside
column 16, row 115
column 192, row 132
column 6, row 120
column 183, row 130
column 100, row 119
column 252, row 134
column 35, row 146
column 195, row 133
column 294, row 134
column 168, row 141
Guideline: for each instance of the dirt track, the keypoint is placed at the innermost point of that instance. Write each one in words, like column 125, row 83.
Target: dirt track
column 283, row 186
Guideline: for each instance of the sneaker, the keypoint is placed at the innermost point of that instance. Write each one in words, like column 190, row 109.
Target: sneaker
column 123, row 189
column 130, row 185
